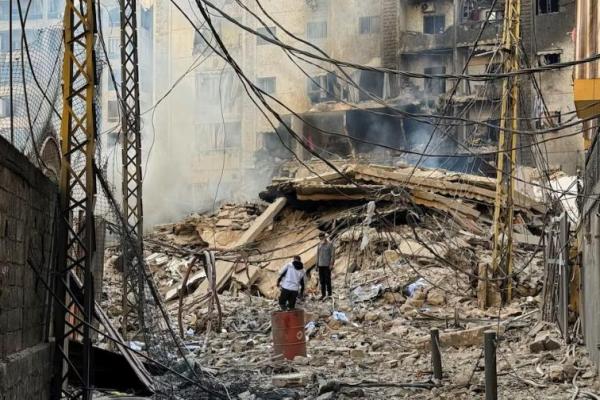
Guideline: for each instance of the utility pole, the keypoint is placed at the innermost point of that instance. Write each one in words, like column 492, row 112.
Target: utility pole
column 502, row 255
column 76, row 237
column 131, row 144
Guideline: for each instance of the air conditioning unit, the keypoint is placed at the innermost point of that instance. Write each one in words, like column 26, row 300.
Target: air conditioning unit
column 427, row 7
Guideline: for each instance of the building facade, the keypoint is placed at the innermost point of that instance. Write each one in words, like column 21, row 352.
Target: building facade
column 351, row 114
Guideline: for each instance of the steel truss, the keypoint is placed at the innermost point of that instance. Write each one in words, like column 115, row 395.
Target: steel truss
column 502, row 256
column 131, row 143
column 77, row 197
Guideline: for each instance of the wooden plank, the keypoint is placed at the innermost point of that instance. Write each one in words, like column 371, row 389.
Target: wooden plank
column 260, row 223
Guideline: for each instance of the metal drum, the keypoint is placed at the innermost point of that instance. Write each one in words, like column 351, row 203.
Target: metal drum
column 288, row 333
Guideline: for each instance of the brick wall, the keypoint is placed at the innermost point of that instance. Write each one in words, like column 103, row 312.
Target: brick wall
column 390, row 33
column 27, row 215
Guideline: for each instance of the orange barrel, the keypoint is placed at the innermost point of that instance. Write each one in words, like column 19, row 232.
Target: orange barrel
column 288, row 333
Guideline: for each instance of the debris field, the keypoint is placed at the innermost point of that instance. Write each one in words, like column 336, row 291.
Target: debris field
column 411, row 246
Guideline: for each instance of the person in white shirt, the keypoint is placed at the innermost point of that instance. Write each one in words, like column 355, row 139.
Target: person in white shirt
column 291, row 281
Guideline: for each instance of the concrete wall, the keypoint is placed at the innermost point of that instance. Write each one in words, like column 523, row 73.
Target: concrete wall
column 553, row 33
column 27, row 217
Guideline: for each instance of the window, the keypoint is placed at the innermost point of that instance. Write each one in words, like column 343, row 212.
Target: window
column 16, row 42
column 113, row 111
column 36, row 11
column 4, row 107
column 316, row 30
column 369, row 25
column 269, row 31
column 317, row 88
column 216, row 136
column 113, row 47
column 547, row 6
column 207, row 88
column 434, row 24
column 200, row 44
column 233, row 134
column 269, row 85
column 493, row 130
column 146, row 18
column 114, row 17
column 55, row 8
column 549, row 59
column 212, row 89
column 435, row 86
column 371, row 83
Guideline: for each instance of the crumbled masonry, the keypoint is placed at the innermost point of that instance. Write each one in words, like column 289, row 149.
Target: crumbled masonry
column 407, row 261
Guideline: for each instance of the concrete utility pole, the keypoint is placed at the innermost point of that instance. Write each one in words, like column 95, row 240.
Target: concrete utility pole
column 76, row 237
column 502, row 256
column 131, row 144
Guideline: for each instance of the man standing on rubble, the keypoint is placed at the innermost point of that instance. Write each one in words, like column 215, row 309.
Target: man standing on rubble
column 325, row 262
column 291, row 280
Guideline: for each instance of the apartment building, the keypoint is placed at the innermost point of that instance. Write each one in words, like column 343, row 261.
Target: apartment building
column 436, row 37
column 110, row 115
column 220, row 128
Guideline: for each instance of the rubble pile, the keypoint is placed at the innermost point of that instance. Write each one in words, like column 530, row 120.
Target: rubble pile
column 410, row 247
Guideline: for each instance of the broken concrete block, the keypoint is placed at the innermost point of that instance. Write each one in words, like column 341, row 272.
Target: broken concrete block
column 464, row 338
column 436, row 297
column 372, row 316
column 543, row 342
column 292, row 380
column 393, row 298
column 357, row 354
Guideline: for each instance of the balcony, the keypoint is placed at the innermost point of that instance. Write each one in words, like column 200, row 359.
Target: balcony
column 418, row 42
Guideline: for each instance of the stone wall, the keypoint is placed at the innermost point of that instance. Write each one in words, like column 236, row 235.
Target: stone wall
column 27, row 218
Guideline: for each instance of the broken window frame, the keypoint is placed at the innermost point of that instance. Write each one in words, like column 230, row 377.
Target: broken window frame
column 369, row 25
column 316, row 30
column 437, row 25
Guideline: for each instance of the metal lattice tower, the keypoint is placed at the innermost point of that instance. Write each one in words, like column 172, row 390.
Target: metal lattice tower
column 502, row 256
column 131, row 143
column 76, row 244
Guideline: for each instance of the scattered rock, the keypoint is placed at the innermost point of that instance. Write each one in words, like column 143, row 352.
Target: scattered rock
column 543, row 342
column 436, row 297
column 357, row 354
column 292, row 380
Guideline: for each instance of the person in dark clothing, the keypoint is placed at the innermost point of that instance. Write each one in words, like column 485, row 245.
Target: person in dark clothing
column 325, row 262
column 291, row 281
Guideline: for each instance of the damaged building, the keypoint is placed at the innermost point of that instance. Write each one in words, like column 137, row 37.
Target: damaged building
column 430, row 37
column 307, row 199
